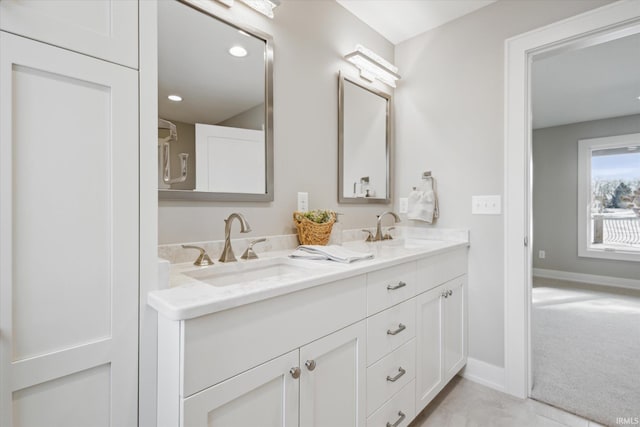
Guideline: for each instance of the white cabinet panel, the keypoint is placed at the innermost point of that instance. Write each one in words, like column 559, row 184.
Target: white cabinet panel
column 265, row 396
column 332, row 382
column 436, row 270
column 106, row 29
column 428, row 346
column 58, row 400
column 441, row 338
column 455, row 327
column 397, row 411
column 390, row 374
column 389, row 329
column 390, row 286
column 69, row 225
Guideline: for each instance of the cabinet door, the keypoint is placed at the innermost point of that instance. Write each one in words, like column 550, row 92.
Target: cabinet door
column 106, row 29
column 332, row 384
column 69, row 246
column 265, row 396
column 455, row 327
column 429, row 380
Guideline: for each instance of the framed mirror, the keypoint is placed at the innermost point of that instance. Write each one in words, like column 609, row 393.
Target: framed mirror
column 215, row 107
column 364, row 143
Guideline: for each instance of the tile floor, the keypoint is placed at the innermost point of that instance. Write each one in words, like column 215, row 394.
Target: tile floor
column 467, row 404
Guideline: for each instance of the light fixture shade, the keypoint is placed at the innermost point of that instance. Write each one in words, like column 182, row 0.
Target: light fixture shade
column 373, row 67
column 263, row 6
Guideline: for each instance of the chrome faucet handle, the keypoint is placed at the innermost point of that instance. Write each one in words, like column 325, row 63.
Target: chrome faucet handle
column 388, row 235
column 369, row 235
column 250, row 253
column 203, row 258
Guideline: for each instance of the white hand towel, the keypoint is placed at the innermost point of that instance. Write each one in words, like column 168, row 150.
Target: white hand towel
column 422, row 205
column 331, row 252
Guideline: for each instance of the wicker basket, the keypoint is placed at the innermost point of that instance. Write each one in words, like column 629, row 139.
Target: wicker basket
column 312, row 233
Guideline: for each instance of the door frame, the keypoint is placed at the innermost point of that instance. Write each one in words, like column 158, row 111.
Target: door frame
column 593, row 27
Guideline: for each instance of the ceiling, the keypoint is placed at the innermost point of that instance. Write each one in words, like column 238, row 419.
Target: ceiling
column 193, row 62
column 596, row 82
column 399, row 20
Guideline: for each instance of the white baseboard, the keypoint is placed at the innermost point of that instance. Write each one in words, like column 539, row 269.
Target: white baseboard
column 587, row 278
column 484, row 373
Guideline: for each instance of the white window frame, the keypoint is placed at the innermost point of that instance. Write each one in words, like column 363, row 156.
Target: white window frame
column 585, row 148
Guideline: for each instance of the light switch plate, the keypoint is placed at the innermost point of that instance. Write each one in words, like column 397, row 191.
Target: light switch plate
column 486, row 205
column 403, row 205
column 303, row 202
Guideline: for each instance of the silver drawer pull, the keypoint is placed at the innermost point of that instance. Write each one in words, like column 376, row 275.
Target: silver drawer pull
column 401, row 328
column 398, row 421
column 400, row 284
column 401, row 372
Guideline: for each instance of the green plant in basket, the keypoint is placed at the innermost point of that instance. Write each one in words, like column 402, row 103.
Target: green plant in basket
column 319, row 216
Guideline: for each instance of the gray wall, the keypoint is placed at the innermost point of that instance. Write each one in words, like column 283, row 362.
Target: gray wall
column 555, row 197
column 253, row 118
column 310, row 41
column 449, row 119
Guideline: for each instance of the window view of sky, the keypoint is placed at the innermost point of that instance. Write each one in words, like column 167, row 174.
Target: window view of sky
column 625, row 167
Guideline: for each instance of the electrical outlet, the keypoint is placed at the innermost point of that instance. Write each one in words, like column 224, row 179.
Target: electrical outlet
column 542, row 254
column 486, row 205
column 303, row 202
column 403, row 205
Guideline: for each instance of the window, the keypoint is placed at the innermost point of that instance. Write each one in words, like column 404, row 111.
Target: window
column 609, row 197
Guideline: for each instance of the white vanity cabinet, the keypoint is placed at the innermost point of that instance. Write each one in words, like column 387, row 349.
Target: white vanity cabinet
column 441, row 334
column 105, row 29
column 319, row 331
column 372, row 349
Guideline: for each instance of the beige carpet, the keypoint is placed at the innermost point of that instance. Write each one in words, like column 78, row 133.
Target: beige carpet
column 586, row 350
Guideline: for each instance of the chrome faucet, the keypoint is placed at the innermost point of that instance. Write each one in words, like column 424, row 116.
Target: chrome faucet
column 379, row 235
column 227, row 252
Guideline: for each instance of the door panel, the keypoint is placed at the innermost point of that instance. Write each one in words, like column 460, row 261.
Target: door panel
column 429, row 379
column 455, row 346
column 332, row 391
column 69, row 226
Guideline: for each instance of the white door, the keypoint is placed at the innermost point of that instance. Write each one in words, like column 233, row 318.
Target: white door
column 106, row 29
column 332, row 384
column 265, row 396
column 429, row 314
column 230, row 160
column 69, row 246
column 455, row 327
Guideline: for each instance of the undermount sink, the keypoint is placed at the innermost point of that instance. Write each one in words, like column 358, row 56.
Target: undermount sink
column 247, row 272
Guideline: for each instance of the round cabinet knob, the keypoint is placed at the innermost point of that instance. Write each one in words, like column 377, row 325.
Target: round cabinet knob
column 445, row 294
column 450, row 292
column 295, row 372
column 310, row 364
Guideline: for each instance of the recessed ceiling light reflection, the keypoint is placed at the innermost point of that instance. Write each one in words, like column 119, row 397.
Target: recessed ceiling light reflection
column 175, row 98
column 238, row 51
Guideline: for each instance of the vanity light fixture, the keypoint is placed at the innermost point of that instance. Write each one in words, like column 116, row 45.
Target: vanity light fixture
column 263, row 6
column 372, row 66
column 175, row 98
column 238, row 51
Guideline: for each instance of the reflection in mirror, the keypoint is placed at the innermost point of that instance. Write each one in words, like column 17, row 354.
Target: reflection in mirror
column 214, row 108
column 364, row 141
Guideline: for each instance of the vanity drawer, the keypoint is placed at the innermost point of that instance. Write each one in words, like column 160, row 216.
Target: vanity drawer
column 390, row 286
column 436, row 270
column 402, row 405
column 221, row 345
column 386, row 377
column 389, row 329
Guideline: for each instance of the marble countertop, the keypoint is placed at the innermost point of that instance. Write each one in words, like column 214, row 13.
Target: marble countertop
column 198, row 291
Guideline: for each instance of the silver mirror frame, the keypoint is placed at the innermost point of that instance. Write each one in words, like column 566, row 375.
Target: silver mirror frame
column 268, row 96
column 341, row 160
